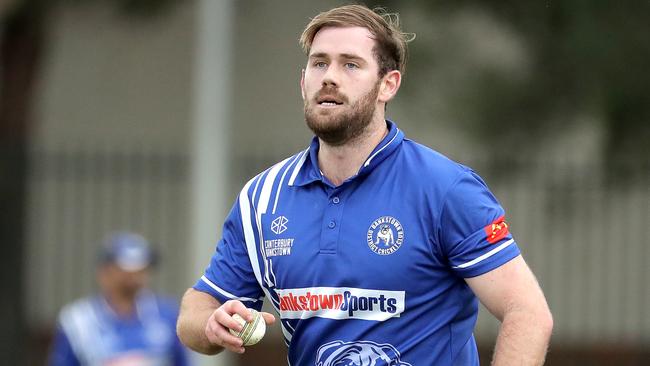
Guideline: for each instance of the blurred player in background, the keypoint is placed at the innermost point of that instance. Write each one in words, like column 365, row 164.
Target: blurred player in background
column 373, row 249
column 126, row 324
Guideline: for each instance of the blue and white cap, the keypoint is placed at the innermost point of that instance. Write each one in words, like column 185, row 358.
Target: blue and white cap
column 129, row 251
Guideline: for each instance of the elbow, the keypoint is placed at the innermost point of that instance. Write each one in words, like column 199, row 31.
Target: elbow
column 535, row 318
column 184, row 329
column 191, row 334
column 545, row 321
column 181, row 332
column 540, row 320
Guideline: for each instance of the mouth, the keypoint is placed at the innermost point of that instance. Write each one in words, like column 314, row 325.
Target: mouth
column 328, row 101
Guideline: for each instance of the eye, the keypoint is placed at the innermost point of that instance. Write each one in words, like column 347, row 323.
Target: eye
column 351, row 65
column 320, row 64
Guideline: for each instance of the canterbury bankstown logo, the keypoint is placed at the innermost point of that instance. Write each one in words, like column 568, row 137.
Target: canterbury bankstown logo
column 340, row 303
column 360, row 353
column 279, row 225
column 385, row 235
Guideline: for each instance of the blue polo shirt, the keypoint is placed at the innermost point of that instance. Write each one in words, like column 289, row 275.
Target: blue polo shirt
column 371, row 271
column 89, row 332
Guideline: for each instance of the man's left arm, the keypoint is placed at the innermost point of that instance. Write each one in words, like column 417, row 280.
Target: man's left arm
column 511, row 293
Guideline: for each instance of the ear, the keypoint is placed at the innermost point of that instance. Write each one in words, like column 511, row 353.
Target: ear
column 389, row 85
column 302, row 84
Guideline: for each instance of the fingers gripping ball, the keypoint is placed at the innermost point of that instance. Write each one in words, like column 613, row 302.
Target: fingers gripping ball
column 253, row 331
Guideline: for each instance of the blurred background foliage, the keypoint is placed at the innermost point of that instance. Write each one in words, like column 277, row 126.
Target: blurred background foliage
column 584, row 59
column 23, row 43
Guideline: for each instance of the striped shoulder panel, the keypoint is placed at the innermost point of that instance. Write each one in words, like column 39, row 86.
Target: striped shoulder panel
column 254, row 201
column 264, row 189
column 259, row 196
column 81, row 325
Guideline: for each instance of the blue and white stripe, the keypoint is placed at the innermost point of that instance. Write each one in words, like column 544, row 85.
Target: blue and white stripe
column 255, row 202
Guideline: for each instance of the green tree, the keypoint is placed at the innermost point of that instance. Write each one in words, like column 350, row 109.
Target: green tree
column 588, row 57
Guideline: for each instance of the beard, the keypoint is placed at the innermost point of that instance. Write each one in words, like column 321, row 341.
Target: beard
column 339, row 127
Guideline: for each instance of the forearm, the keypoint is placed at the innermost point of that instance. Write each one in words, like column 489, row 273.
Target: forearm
column 523, row 338
column 196, row 308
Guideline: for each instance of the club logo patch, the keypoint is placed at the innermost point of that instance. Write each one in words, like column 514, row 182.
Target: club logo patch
column 279, row 225
column 385, row 235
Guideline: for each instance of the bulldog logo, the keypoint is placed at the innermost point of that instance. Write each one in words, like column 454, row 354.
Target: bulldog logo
column 361, row 353
column 385, row 235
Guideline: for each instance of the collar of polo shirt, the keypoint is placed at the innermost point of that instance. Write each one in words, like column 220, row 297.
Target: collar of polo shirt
column 310, row 171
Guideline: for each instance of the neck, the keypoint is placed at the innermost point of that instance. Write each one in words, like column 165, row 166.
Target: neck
column 341, row 162
column 123, row 304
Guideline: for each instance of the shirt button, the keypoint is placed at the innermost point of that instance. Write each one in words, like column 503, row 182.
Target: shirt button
column 331, row 225
column 336, row 200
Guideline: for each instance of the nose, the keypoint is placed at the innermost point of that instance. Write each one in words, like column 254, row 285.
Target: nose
column 330, row 78
column 329, row 83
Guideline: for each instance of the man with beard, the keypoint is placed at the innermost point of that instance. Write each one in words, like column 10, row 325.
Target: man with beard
column 125, row 324
column 334, row 288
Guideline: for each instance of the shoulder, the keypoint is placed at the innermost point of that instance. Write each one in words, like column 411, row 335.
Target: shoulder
column 430, row 166
column 79, row 307
column 283, row 172
column 80, row 312
column 259, row 189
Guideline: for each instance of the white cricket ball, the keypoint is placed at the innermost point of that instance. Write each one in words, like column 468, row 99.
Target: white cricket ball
column 253, row 331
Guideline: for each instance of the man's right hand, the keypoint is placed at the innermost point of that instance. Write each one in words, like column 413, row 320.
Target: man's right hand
column 204, row 323
column 217, row 329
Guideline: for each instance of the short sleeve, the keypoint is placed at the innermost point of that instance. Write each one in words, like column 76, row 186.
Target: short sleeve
column 230, row 274
column 474, row 234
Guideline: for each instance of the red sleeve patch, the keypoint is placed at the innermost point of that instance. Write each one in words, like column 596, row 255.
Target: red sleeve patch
column 497, row 230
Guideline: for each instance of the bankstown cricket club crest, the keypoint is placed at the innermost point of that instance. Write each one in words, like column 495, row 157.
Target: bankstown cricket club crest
column 385, row 235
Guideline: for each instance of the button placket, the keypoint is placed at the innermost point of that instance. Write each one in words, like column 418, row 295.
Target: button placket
column 331, row 225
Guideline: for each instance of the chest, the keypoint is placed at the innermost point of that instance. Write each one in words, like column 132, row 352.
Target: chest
column 350, row 237
column 131, row 341
column 152, row 335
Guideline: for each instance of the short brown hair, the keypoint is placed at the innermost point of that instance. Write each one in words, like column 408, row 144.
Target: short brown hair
column 390, row 48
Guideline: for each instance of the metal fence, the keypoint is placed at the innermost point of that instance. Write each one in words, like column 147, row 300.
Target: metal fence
column 585, row 232
column 77, row 195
